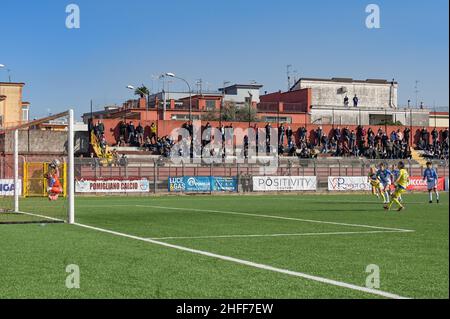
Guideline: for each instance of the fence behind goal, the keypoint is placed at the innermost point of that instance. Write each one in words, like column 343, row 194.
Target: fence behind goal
column 140, row 177
column 24, row 173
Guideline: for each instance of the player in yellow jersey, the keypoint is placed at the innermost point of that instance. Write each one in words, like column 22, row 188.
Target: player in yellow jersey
column 374, row 180
column 401, row 184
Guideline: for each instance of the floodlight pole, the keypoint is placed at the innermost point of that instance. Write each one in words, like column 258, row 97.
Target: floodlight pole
column 16, row 171
column 71, row 172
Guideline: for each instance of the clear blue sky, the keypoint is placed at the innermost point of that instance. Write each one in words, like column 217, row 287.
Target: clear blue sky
column 125, row 42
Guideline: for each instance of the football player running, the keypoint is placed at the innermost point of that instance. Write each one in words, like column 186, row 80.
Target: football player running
column 431, row 177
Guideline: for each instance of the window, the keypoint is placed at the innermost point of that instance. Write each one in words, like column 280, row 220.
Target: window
column 210, row 105
column 281, row 119
column 184, row 117
column 25, row 113
column 380, row 119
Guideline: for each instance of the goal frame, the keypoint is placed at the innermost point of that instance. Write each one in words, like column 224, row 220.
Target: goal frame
column 70, row 161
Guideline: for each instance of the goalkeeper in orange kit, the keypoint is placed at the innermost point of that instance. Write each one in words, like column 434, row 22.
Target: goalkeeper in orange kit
column 54, row 185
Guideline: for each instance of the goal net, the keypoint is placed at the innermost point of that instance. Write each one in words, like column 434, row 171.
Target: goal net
column 36, row 171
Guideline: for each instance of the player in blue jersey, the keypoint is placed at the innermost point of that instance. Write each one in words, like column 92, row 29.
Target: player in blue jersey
column 431, row 177
column 385, row 177
column 375, row 183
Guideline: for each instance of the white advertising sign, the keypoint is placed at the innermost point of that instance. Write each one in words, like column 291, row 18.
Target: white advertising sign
column 7, row 187
column 348, row 183
column 284, row 183
column 112, row 186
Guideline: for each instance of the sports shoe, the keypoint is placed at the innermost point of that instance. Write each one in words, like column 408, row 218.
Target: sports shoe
column 386, row 207
column 437, row 201
column 400, row 208
column 431, row 202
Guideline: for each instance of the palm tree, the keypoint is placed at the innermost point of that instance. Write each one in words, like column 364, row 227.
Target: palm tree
column 142, row 91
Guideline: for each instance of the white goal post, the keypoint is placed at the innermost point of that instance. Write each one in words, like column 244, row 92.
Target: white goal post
column 70, row 162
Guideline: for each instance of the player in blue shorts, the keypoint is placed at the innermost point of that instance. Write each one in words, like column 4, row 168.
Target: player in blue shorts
column 430, row 175
column 385, row 177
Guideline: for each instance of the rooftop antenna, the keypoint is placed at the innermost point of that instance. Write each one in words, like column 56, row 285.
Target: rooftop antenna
column 416, row 91
column 199, row 84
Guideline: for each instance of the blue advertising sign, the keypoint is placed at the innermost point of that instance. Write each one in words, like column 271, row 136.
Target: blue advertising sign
column 202, row 184
column 224, row 184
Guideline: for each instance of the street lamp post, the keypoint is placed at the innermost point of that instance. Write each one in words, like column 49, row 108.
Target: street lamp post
column 222, row 103
column 172, row 75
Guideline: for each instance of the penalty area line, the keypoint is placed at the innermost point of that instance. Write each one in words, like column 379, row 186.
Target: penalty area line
column 274, row 217
column 250, row 264
column 284, row 235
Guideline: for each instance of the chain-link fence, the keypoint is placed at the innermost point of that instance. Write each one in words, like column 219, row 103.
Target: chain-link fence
column 157, row 173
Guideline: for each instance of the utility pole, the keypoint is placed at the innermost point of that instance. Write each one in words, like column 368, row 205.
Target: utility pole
column 288, row 75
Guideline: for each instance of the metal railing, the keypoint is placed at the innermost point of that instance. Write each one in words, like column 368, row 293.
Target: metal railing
column 158, row 172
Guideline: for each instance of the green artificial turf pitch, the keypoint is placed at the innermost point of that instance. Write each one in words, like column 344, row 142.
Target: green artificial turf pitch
column 316, row 235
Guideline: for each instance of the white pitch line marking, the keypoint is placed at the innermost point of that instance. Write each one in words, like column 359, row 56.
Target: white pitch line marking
column 252, row 264
column 242, row 261
column 283, row 235
column 273, row 217
column 42, row 216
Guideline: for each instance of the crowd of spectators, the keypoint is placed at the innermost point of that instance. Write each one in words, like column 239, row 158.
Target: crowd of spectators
column 436, row 147
column 362, row 142
column 339, row 142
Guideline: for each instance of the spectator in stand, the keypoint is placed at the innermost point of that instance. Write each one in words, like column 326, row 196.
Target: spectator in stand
column 189, row 127
column 131, row 133
column 324, row 144
column 100, row 129
column 371, row 138
column 393, row 136
column 352, row 141
column 389, row 149
column 355, row 101
column 103, row 142
column 123, row 161
column 153, row 133
column 337, row 134
column 346, row 101
column 424, row 137
column 399, row 136
column 406, row 134
column 222, row 132
column 140, row 134
column 434, row 137
column 206, row 134
column 445, row 135
column 289, row 134
column 347, row 134
column 302, row 134
column 384, row 142
column 319, row 134
column 122, row 133
column 148, row 143
column 95, row 128
column 281, row 132
column 115, row 158
column 268, row 128
column 361, row 137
